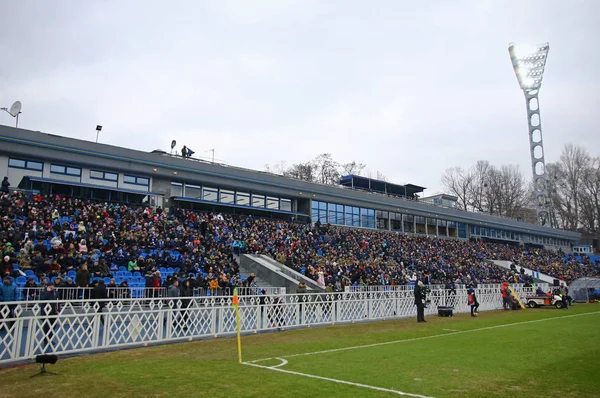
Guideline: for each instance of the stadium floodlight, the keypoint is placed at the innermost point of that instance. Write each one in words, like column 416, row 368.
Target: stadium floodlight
column 529, row 63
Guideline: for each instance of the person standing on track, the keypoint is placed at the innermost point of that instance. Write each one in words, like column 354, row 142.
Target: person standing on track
column 505, row 296
column 419, row 302
column 472, row 301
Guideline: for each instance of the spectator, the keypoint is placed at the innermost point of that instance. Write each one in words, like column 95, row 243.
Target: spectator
column 8, row 293
column 5, row 185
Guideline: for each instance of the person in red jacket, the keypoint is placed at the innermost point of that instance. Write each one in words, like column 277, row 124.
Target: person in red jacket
column 505, row 296
column 472, row 301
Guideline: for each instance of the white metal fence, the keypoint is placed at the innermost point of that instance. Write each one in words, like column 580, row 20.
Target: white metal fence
column 390, row 288
column 63, row 327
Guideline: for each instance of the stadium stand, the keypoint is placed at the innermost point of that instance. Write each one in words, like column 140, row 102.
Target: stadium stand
column 74, row 243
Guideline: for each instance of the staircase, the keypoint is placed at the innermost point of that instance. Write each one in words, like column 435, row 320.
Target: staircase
column 245, row 271
column 273, row 273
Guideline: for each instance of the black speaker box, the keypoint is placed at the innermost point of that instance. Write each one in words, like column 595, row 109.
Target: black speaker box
column 445, row 311
column 556, row 282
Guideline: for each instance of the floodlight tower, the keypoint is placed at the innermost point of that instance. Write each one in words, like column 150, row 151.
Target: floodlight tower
column 529, row 63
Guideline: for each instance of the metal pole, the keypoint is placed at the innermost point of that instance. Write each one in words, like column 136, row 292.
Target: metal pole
column 17, row 117
column 97, row 132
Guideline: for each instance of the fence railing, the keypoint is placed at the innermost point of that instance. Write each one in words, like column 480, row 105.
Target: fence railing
column 74, row 294
column 380, row 288
column 63, row 327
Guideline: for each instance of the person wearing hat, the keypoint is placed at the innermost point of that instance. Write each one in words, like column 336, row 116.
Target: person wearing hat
column 419, row 295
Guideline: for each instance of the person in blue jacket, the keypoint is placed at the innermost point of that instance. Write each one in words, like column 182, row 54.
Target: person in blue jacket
column 8, row 293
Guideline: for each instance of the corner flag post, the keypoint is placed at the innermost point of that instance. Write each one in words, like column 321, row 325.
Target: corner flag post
column 236, row 304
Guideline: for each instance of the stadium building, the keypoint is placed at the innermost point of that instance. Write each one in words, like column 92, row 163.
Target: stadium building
column 58, row 165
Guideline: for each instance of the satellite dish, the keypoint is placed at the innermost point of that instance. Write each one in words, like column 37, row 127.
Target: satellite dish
column 15, row 109
column 173, row 143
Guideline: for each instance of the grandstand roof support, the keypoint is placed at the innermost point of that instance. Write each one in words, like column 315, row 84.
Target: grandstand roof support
column 528, row 63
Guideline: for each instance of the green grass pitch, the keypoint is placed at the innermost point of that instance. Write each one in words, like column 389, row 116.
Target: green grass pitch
column 530, row 353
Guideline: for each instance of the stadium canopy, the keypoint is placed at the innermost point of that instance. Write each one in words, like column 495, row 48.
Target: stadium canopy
column 378, row 186
column 582, row 289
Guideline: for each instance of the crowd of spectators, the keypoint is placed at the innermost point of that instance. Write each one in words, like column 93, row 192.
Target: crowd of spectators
column 58, row 238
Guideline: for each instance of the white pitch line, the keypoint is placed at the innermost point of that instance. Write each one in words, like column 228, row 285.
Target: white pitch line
column 283, row 363
column 276, row 369
column 450, row 330
column 423, row 338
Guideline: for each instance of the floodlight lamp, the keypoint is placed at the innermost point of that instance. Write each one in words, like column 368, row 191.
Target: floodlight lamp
column 528, row 63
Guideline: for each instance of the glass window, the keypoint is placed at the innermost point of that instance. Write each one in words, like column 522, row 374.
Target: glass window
column 35, row 165
column 25, row 164
column 193, row 191
column 74, row 171
column 322, row 205
column 96, row 174
column 323, row 216
column 226, row 196
column 242, row 198
column 286, row 204
column 129, row 179
column 258, row 200
column 17, row 163
column 54, row 168
column 111, row 176
column 142, row 181
column 332, row 215
column 176, row 189
column 314, row 215
column 211, row 194
column 272, row 203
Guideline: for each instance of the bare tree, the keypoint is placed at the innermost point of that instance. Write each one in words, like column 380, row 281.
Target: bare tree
column 590, row 197
column 514, row 194
column 278, row 168
column 458, row 183
column 479, row 186
column 352, row 168
column 567, row 184
column 326, row 169
column 301, row 171
column 322, row 169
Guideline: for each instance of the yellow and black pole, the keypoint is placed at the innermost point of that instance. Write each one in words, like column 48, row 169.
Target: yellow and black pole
column 236, row 304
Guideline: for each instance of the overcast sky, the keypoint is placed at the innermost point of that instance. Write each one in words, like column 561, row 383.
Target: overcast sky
column 409, row 88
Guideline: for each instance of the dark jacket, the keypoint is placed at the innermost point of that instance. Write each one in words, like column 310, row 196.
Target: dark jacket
column 418, row 295
column 82, row 278
column 99, row 292
column 47, row 295
column 173, row 291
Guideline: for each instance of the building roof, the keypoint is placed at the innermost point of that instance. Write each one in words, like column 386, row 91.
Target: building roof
column 374, row 185
column 51, row 147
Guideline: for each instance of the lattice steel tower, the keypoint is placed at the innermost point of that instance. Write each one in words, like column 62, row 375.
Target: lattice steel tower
column 529, row 63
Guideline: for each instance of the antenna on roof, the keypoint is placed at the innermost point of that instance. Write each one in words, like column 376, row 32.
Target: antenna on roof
column 14, row 111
